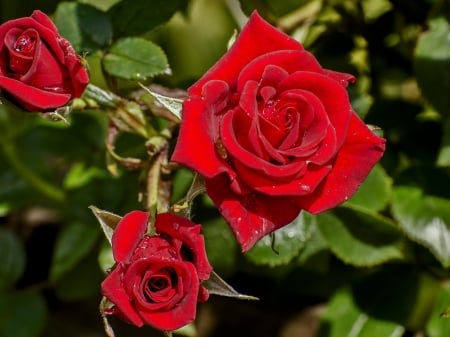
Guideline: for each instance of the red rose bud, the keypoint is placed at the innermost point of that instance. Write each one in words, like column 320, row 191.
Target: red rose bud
column 273, row 133
column 39, row 69
column 157, row 279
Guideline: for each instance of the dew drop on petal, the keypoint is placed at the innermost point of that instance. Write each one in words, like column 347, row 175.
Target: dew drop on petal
column 55, row 89
column 305, row 188
column 25, row 44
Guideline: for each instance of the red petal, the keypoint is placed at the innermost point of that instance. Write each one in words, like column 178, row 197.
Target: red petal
column 113, row 290
column 249, row 159
column 183, row 312
column 330, row 93
column 258, row 37
column 361, row 151
column 189, row 233
column 289, row 61
column 43, row 19
column 198, row 131
column 33, row 99
column 138, row 275
column 342, row 78
column 128, row 233
column 252, row 216
column 296, row 186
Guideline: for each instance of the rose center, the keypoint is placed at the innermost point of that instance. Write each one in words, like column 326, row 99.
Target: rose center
column 25, row 44
column 160, row 286
column 278, row 117
column 157, row 283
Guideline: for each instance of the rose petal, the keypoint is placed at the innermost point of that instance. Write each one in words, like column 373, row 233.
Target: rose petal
column 342, row 78
column 240, row 154
column 257, row 38
column 361, row 150
column 314, row 120
column 128, row 233
column 188, row 233
column 44, row 20
column 113, row 290
column 198, row 130
column 184, row 312
column 33, row 98
column 46, row 73
column 289, row 61
column 330, row 93
column 46, row 34
column 55, row 69
column 138, row 274
column 252, row 216
column 20, row 61
column 309, row 177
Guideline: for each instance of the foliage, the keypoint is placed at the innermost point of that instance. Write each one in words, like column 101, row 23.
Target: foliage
column 378, row 264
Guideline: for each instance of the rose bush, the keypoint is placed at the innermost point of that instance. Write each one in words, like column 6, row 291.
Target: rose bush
column 157, row 278
column 273, row 133
column 38, row 68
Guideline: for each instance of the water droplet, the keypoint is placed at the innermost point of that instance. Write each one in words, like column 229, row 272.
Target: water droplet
column 25, row 44
column 54, row 89
column 304, row 188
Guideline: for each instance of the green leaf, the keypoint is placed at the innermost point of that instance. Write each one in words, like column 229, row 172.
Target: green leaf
column 344, row 318
column 219, row 239
column 22, row 314
column 425, row 219
column 85, row 26
column 188, row 330
column 316, row 254
column 444, row 152
column 375, row 192
column 130, row 17
column 79, row 175
column 182, row 180
column 106, row 258
column 414, row 293
column 12, row 257
column 289, row 240
column 439, row 324
column 174, row 105
column 373, row 9
column 432, row 60
column 217, row 286
column 73, row 243
column 359, row 237
column 108, row 221
column 135, row 59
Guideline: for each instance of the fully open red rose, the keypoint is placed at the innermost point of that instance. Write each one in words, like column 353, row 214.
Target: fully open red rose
column 38, row 68
column 156, row 280
column 273, row 133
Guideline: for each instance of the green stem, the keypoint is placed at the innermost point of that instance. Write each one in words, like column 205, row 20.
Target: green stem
column 49, row 190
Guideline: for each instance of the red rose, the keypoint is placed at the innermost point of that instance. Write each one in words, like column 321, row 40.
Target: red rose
column 156, row 279
column 273, row 133
column 38, row 68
